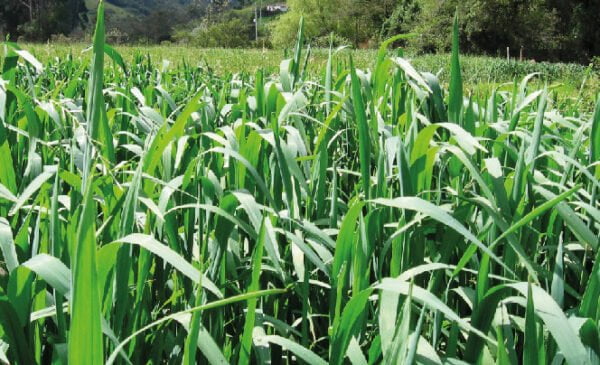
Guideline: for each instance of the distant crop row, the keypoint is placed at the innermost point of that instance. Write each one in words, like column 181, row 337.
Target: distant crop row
column 173, row 215
column 480, row 73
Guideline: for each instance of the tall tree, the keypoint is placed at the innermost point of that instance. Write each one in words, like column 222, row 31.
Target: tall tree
column 355, row 20
column 579, row 28
column 216, row 7
column 488, row 26
column 39, row 19
column 402, row 18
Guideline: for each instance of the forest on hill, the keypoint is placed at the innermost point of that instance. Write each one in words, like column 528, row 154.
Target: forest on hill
column 565, row 30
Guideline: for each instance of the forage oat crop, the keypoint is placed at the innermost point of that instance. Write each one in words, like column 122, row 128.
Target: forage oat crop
column 172, row 215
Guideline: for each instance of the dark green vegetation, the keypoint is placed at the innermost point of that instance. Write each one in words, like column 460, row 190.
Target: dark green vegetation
column 130, row 20
column 543, row 29
column 551, row 30
column 39, row 19
column 567, row 30
column 152, row 215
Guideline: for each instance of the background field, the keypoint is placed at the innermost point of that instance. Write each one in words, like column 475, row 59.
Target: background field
column 481, row 74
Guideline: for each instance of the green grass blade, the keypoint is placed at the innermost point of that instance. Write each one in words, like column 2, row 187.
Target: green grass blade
column 529, row 217
column 85, row 333
column 19, row 350
column 7, row 172
column 115, row 56
column 192, row 340
column 558, row 277
column 425, row 207
column 298, row 53
column 298, row 350
column 31, row 189
column 173, row 258
column 595, row 139
column 536, row 138
column 95, row 97
column 345, row 238
column 254, row 286
column 212, row 305
column 347, row 327
column 455, row 98
column 7, row 245
column 530, row 350
column 52, row 270
column 364, row 139
column 589, row 303
column 575, row 224
column 206, row 343
column 427, row 298
column 556, row 321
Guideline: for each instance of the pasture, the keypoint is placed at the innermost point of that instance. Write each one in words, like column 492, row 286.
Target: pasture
column 333, row 207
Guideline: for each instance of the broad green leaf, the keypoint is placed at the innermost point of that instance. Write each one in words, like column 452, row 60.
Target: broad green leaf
column 85, row 334
column 31, row 189
column 52, row 270
column 556, row 321
column 206, row 344
column 298, row 350
column 348, row 325
column 212, row 305
column 164, row 252
column 428, row 299
column 435, row 212
column 9, row 253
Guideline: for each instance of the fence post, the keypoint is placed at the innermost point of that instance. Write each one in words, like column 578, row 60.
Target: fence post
column 521, row 54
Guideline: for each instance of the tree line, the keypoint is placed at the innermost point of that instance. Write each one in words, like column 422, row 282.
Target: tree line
column 566, row 30
column 38, row 20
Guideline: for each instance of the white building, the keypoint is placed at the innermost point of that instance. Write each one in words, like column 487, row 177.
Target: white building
column 277, row 8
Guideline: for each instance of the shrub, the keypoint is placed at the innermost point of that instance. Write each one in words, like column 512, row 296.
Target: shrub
column 233, row 33
column 596, row 63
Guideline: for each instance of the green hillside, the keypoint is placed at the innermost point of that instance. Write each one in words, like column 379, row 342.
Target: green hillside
column 153, row 21
column 146, row 7
column 135, row 8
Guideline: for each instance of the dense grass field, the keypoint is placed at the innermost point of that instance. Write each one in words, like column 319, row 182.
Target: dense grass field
column 481, row 74
column 339, row 208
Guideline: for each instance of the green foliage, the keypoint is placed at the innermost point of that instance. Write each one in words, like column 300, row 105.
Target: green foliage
column 539, row 29
column 489, row 26
column 596, row 63
column 402, row 19
column 39, row 19
column 154, row 214
column 221, row 27
column 578, row 29
column 480, row 73
column 536, row 29
column 316, row 18
column 233, row 33
column 359, row 21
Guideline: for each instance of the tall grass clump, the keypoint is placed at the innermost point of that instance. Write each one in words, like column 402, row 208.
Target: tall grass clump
column 170, row 215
